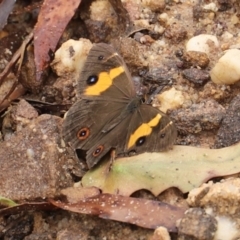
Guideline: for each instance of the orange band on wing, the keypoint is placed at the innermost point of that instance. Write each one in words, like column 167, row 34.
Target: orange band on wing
column 105, row 80
column 144, row 130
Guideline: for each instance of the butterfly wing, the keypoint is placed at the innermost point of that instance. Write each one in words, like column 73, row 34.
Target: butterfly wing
column 145, row 130
column 101, row 120
column 105, row 88
column 85, row 121
column 150, row 130
column 105, row 76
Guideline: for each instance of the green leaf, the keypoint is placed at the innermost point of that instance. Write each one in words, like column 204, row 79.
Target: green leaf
column 7, row 202
column 183, row 167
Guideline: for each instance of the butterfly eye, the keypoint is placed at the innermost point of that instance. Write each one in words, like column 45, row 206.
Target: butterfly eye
column 141, row 141
column 92, row 80
column 98, row 150
column 100, row 57
column 83, row 133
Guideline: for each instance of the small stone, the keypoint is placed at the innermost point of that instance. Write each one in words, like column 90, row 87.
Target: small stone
column 161, row 233
column 206, row 115
column 202, row 43
column 197, row 76
column 160, row 75
column 220, row 200
column 197, row 11
column 235, row 19
column 163, row 18
column 71, row 56
column 176, row 33
column 229, row 132
column 25, row 110
column 226, row 70
column 158, row 29
column 170, row 99
column 217, row 92
column 196, row 59
column 197, row 224
column 100, row 10
column 67, row 64
column 154, row 5
column 18, row 117
column 72, row 234
column 146, row 39
column 210, row 7
column 227, row 36
column 32, row 166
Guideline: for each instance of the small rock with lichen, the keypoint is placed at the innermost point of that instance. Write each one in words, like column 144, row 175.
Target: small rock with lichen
column 221, row 201
column 197, row 224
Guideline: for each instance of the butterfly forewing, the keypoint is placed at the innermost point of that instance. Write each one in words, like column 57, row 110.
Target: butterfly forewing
column 88, row 117
column 105, row 76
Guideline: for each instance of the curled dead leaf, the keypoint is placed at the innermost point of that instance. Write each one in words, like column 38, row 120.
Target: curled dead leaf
column 142, row 212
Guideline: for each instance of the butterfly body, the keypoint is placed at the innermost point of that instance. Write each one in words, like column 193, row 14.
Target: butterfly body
column 110, row 114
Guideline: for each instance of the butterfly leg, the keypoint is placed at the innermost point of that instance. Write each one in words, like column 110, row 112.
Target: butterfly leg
column 112, row 157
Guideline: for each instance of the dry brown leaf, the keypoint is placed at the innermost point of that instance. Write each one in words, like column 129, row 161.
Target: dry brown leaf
column 28, row 206
column 53, row 19
column 6, row 7
column 142, row 212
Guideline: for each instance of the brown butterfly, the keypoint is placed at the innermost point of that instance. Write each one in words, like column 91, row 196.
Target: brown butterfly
column 110, row 115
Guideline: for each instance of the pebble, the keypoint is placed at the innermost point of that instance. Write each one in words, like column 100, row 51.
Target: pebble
column 229, row 131
column 211, row 7
column 226, row 70
column 161, row 233
column 197, row 76
column 195, row 58
column 201, row 43
column 154, row 5
column 100, row 10
column 170, row 99
column 197, row 224
column 221, row 201
column 71, row 56
column 206, row 115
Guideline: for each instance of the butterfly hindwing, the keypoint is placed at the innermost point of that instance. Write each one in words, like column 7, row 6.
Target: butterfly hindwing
column 145, row 130
column 150, row 130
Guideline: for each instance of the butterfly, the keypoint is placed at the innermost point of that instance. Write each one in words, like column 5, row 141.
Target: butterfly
column 109, row 114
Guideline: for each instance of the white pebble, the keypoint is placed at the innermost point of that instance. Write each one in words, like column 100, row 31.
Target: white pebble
column 163, row 17
column 227, row 35
column 201, row 43
column 170, row 99
column 210, row 7
column 158, row 29
column 71, row 56
column 226, row 228
column 226, row 70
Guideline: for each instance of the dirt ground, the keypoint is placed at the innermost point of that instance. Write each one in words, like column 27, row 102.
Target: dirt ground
column 156, row 40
